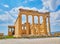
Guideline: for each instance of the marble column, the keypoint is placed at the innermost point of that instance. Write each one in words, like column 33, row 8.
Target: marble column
column 45, row 25
column 38, row 25
column 27, row 25
column 10, row 29
column 49, row 32
column 26, row 18
column 39, row 20
column 33, row 30
column 20, row 25
column 33, row 20
column 9, row 32
column 23, row 27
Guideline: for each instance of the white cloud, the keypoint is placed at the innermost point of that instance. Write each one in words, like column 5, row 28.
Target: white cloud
column 3, row 24
column 31, row 0
column 34, row 8
column 5, row 5
column 43, row 10
column 54, row 16
column 58, row 2
column 13, row 14
column 51, row 4
column 0, row 9
column 26, row 1
column 5, row 17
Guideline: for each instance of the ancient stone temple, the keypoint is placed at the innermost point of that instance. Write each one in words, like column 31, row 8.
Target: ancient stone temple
column 27, row 29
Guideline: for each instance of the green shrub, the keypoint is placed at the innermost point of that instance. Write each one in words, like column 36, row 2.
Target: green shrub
column 7, row 37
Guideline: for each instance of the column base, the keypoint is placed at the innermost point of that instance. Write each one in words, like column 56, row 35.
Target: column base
column 49, row 35
column 17, row 36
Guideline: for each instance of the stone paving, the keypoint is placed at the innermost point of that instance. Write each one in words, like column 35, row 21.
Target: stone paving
column 31, row 41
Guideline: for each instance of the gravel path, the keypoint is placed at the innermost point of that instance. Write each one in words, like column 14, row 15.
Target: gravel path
column 31, row 41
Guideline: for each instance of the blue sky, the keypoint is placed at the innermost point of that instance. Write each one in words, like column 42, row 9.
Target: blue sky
column 9, row 11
